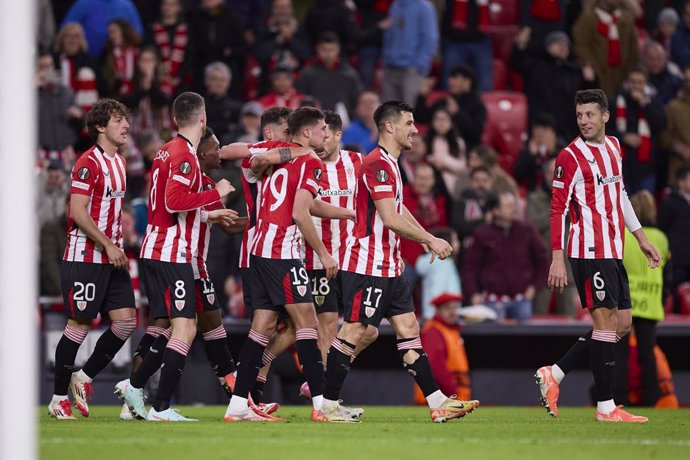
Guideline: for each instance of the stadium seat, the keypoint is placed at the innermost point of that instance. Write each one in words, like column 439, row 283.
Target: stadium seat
column 504, row 12
column 502, row 39
column 684, row 296
column 500, row 75
column 506, row 125
column 252, row 78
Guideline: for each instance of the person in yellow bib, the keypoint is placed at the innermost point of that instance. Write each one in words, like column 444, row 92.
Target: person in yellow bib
column 445, row 348
column 646, row 294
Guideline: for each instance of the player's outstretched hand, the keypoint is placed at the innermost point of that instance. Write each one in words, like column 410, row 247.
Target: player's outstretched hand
column 116, row 256
column 652, row 254
column 224, row 187
column 557, row 276
column 222, row 216
column 330, row 265
column 439, row 247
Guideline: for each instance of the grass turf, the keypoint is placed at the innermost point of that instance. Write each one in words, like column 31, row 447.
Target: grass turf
column 385, row 433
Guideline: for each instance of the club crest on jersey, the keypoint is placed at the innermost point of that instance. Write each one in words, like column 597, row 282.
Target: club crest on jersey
column 83, row 173
column 319, row 299
column 179, row 304
column 81, row 305
column 318, row 173
column 302, row 290
column 382, row 176
column 211, row 298
column 558, row 173
column 185, row 167
column 369, row 311
column 601, row 295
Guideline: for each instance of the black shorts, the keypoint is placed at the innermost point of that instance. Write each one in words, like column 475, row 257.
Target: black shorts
column 601, row 283
column 278, row 282
column 89, row 289
column 369, row 299
column 170, row 288
column 205, row 292
column 327, row 293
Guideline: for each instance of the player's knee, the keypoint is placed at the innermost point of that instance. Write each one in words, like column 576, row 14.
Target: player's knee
column 82, row 324
column 352, row 332
column 123, row 328
column 209, row 320
column 370, row 335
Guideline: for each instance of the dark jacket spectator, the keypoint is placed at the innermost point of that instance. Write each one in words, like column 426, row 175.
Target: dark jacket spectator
column 680, row 42
column 543, row 144
column 463, row 102
column 665, row 78
column 53, row 240
column 674, row 219
column 469, row 211
column 329, row 78
column 222, row 111
column 676, row 138
column 56, row 108
column 331, row 16
column 551, row 79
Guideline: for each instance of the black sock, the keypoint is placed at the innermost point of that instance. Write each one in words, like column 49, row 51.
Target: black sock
column 144, row 345
column 152, row 362
column 106, row 348
column 420, row 369
column 249, row 362
column 310, row 357
column 577, row 354
column 603, row 359
column 258, row 389
column 338, row 365
column 65, row 353
column 174, row 359
column 217, row 351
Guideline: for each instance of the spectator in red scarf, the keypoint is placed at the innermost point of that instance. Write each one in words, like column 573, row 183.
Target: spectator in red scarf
column 637, row 120
column 283, row 92
column 171, row 36
column 119, row 58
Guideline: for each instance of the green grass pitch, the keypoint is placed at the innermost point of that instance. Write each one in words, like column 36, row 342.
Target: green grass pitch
column 386, row 433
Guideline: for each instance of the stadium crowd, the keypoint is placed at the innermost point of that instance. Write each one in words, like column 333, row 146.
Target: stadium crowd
column 492, row 83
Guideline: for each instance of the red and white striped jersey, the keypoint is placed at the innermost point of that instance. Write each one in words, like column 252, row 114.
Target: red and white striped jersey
column 175, row 202
column 338, row 188
column 199, row 267
column 103, row 179
column 251, row 185
column 588, row 183
column 375, row 249
column 277, row 235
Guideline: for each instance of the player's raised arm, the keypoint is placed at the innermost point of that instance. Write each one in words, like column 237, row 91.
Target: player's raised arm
column 328, row 211
column 260, row 163
column 179, row 196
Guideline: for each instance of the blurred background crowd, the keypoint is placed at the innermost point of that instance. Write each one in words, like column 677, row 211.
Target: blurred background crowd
column 492, row 83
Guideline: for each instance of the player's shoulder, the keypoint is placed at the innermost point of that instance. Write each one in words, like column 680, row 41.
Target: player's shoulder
column 88, row 160
column 349, row 156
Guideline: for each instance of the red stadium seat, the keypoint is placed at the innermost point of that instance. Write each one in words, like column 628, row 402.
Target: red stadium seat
column 502, row 39
column 506, row 125
column 500, row 75
column 504, row 12
column 252, row 78
column 684, row 296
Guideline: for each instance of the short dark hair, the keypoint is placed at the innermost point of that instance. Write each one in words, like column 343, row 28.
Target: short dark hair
column 208, row 135
column 638, row 69
column 445, row 233
column 466, row 71
column 592, row 96
column 545, row 120
column 328, row 37
column 100, row 115
column 274, row 115
column 478, row 169
column 682, row 172
column 186, row 106
column 304, row 116
column 333, row 120
column 390, row 111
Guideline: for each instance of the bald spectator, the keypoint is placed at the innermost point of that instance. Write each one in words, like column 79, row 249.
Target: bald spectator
column 222, row 110
column 664, row 77
column 362, row 131
column 606, row 39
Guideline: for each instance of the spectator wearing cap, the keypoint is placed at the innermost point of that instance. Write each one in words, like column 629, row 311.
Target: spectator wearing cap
column 543, row 144
column 665, row 79
column 551, row 79
column 507, row 262
column 222, row 110
column 330, row 79
column 463, row 102
column 445, row 348
column 283, row 92
column 249, row 128
column 441, row 276
column 606, row 39
column 666, row 23
column 637, row 120
column 409, row 44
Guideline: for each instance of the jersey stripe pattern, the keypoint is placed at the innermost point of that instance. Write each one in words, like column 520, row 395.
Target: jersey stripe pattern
column 251, row 185
column 103, row 179
column 199, row 267
column 588, row 184
column 175, row 202
column 338, row 188
column 375, row 249
column 277, row 236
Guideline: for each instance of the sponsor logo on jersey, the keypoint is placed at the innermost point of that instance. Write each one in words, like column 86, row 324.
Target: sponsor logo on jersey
column 601, row 295
column 106, row 173
column 110, row 193
column 185, row 167
column 81, row 305
column 382, row 176
column 302, row 290
column 83, row 173
column 331, row 193
column 608, row 180
column 179, row 304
